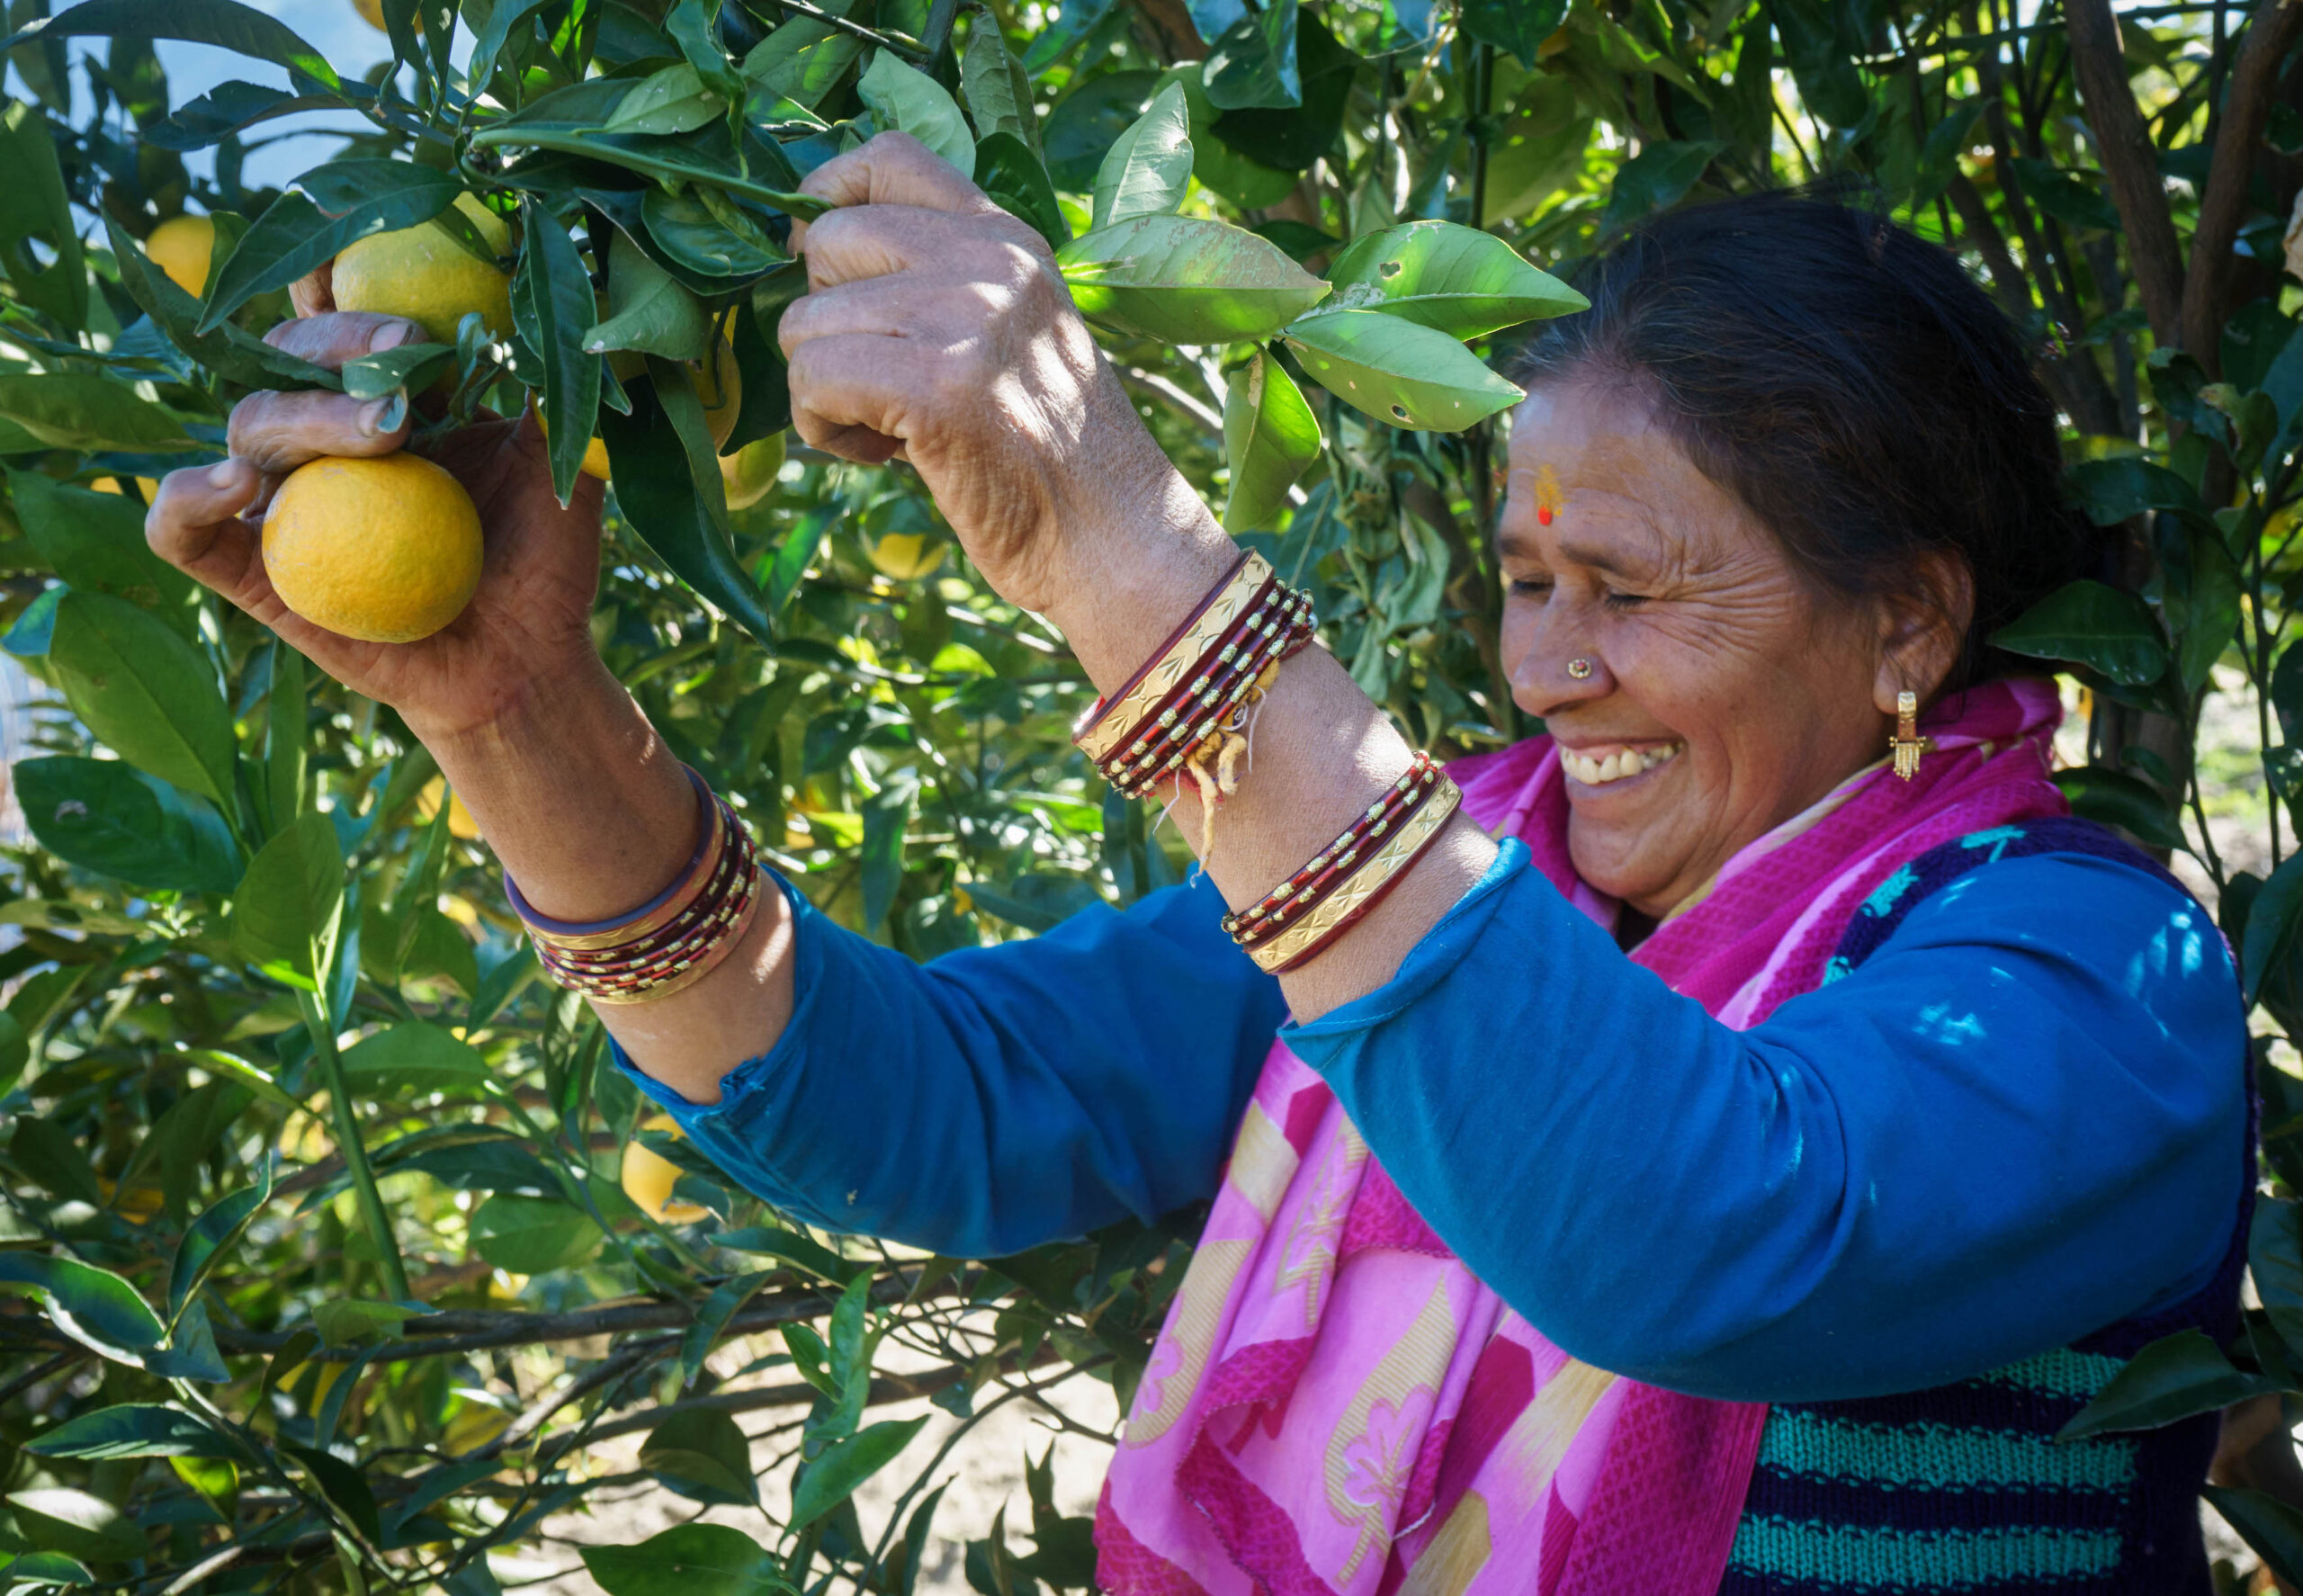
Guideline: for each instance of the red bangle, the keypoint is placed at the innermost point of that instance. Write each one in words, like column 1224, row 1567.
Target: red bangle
column 1164, row 715
column 1085, row 731
column 1210, row 695
column 1178, row 750
column 1344, row 903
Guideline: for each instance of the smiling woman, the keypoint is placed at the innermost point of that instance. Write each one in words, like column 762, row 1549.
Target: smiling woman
column 1647, row 1155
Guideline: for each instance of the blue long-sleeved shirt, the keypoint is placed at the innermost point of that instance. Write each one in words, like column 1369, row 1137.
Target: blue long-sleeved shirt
column 2018, row 1121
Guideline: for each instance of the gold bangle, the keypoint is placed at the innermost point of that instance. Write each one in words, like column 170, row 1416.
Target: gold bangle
column 1120, row 719
column 1354, row 896
column 670, row 909
column 711, row 959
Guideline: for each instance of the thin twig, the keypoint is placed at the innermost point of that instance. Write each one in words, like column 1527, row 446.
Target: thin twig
column 1176, row 395
column 903, row 44
column 2131, row 164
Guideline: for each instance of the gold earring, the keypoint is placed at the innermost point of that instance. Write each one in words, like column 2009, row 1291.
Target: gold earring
column 1907, row 745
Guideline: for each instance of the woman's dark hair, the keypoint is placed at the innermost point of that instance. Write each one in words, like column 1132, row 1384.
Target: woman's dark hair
column 1850, row 383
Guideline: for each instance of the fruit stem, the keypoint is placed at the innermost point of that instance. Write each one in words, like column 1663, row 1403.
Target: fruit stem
column 347, row 1136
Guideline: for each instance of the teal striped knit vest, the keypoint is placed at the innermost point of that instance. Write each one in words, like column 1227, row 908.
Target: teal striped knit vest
column 1963, row 1490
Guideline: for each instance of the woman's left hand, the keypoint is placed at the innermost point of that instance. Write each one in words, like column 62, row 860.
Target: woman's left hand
column 937, row 326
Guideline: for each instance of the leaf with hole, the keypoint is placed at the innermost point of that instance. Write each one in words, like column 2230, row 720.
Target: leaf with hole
column 1457, row 280
column 1398, row 370
column 1186, row 280
column 107, row 816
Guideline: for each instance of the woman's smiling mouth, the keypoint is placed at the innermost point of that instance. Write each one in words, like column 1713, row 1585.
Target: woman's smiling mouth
column 1602, row 763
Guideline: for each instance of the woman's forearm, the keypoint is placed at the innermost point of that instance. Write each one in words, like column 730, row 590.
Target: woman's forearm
column 591, row 815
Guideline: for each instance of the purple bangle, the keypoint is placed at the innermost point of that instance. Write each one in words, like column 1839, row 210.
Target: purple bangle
column 545, row 923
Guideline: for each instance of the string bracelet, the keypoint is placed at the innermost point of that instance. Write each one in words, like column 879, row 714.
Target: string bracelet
column 1154, row 728
column 1284, row 628
column 674, row 939
column 1291, row 932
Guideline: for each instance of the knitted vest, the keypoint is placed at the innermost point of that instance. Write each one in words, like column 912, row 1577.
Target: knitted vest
column 1964, row 1488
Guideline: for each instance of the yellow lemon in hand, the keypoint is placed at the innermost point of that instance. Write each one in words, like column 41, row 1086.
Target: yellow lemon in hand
column 181, row 247
column 649, row 1175
column 386, row 549
column 426, row 275
column 750, row 472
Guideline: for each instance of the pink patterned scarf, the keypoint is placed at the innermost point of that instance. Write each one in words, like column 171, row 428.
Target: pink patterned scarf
column 1336, row 1407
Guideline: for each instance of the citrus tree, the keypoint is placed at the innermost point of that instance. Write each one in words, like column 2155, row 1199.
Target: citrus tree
column 336, row 1255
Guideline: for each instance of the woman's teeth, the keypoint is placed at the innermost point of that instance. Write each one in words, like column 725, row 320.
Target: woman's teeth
column 1594, row 772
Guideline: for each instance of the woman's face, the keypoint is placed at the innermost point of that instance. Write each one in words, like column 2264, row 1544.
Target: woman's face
column 1723, row 695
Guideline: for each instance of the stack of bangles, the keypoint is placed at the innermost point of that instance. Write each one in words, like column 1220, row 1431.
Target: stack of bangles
column 1304, row 915
column 1185, row 714
column 674, row 939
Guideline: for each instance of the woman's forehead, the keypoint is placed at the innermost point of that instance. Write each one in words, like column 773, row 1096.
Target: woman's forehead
column 1589, row 465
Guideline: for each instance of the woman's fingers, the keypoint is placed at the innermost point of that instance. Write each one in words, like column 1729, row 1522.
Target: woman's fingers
column 842, row 389
column 892, row 169
column 330, row 338
column 314, row 294
column 196, row 524
column 278, row 432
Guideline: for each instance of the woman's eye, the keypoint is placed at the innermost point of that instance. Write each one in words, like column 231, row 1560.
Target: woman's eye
column 1531, row 587
column 1624, row 601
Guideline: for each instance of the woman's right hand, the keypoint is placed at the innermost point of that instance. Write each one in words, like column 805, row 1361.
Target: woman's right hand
column 528, row 624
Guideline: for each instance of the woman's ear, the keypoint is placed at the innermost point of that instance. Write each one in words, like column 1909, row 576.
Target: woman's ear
column 1922, row 627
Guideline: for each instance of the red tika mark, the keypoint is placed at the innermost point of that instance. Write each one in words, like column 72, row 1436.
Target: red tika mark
column 1547, row 495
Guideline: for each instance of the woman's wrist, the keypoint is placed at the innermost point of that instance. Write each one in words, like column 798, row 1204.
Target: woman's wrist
column 583, row 803
column 1130, row 570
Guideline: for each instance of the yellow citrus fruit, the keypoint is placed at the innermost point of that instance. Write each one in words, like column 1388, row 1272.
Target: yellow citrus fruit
column 426, row 275
column 750, row 472
column 905, row 556
column 460, row 821
column 649, row 1175
column 371, row 12
column 148, row 485
column 474, row 1426
column 386, row 549
column 181, row 247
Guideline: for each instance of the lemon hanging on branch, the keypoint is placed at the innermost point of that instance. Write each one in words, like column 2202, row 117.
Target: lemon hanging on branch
column 386, row 549
column 181, row 247
column 648, row 1178
column 423, row 274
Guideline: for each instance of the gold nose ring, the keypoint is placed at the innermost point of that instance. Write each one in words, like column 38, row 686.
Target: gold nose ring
column 1580, row 669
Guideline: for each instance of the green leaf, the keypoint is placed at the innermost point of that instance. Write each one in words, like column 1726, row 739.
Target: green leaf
column 35, row 1569
column 999, row 90
column 209, row 1237
column 552, row 305
column 77, row 411
column 803, row 61
column 345, row 1488
column 1457, row 280
column 531, row 1235
column 2273, row 1528
column 489, row 36
column 1148, row 168
column 886, row 815
column 93, row 1306
column 909, row 101
column 687, row 1560
column 832, row 1478
column 702, row 1453
column 1658, row 178
column 343, row 1322
column 1252, row 62
column 415, row 1057
column 230, row 351
column 15, row 1050
column 811, row 1255
column 231, row 107
column 108, row 816
column 1013, row 178
column 1399, row 371
column 60, row 1518
column 2275, row 1261
column 2115, row 489
column 658, row 490
column 1087, row 121
column 1518, row 27
column 1186, row 280
column 241, row 29
column 144, row 691
column 2114, row 798
column 134, row 1429
column 2094, row 625
column 95, row 542
column 292, row 895
column 729, row 1296
column 1281, row 140
column 341, row 203
column 2273, row 920
column 2209, row 617
column 35, row 205
column 1821, row 40
column 1270, row 438
column 685, row 227
column 2169, row 1379
column 411, row 366
column 673, row 100
column 648, row 309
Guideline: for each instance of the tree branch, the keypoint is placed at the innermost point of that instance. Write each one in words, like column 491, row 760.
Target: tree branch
column 2253, row 85
column 2131, row 164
